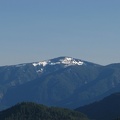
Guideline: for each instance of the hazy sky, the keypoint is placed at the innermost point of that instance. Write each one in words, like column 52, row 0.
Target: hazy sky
column 35, row 30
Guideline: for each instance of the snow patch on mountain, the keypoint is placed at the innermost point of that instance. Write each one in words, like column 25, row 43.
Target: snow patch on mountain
column 40, row 71
column 71, row 61
column 43, row 63
column 55, row 63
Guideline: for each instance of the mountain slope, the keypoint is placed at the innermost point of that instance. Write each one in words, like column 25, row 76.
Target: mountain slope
column 55, row 89
column 64, row 81
column 32, row 111
column 106, row 109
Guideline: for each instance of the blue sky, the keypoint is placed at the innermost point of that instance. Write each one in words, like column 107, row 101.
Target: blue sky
column 35, row 30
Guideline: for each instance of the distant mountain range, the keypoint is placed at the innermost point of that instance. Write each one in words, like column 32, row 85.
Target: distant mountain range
column 105, row 109
column 63, row 81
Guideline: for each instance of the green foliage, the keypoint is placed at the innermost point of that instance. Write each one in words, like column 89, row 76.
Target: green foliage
column 32, row 111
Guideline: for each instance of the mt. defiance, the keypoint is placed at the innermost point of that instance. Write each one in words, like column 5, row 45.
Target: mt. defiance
column 62, row 82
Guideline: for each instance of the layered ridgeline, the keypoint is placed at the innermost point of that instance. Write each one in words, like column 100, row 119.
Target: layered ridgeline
column 106, row 109
column 32, row 111
column 64, row 82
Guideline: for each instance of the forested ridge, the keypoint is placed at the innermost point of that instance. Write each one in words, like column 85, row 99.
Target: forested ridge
column 105, row 109
column 33, row 111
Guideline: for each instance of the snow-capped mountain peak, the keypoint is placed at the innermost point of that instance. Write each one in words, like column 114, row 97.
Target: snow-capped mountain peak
column 67, row 61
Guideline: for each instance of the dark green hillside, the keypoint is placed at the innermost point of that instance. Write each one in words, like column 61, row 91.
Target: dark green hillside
column 32, row 111
column 106, row 109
